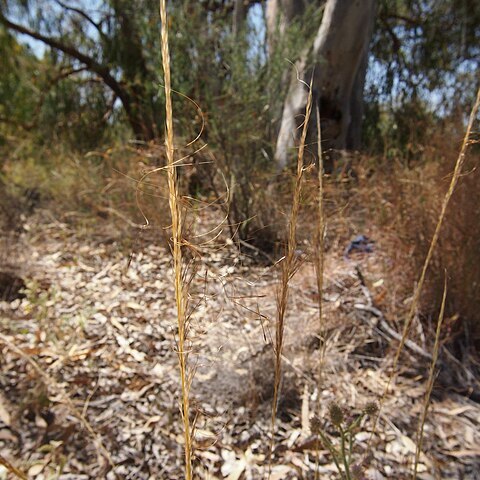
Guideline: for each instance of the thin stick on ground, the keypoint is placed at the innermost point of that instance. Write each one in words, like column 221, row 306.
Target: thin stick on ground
column 12, row 469
column 176, row 214
column 289, row 266
column 430, row 381
column 416, row 297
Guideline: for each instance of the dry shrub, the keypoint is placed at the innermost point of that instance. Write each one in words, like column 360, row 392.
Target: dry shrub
column 459, row 254
column 248, row 198
column 404, row 205
column 116, row 190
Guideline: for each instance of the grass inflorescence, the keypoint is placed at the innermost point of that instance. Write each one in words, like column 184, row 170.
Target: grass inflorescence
column 177, row 243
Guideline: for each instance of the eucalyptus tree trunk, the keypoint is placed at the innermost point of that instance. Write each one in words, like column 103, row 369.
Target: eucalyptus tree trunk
column 336, row 64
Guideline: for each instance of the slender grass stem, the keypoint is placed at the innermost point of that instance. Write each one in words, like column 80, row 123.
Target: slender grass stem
column 344, row 453
column 319, row 250
column 430, row 382
column 332, row 451
column 319, row 270
column 288, row 270
column 176, row 214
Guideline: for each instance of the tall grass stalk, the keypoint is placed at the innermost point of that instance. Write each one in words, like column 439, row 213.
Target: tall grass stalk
column 176, row 214
column 430, row 381
column 320, row 245
column 416, row 297
column 289, row 267
column 319, row 267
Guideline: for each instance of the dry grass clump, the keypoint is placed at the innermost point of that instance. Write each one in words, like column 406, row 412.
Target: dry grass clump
column 458, row 253
column 457, row 250
column 404, row 204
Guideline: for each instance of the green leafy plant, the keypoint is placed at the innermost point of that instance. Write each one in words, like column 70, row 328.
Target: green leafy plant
column 347, row 427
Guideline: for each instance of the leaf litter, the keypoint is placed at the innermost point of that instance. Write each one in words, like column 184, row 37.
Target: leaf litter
column 104, row 338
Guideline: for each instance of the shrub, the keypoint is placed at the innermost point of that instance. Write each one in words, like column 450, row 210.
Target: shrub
column 406, row 201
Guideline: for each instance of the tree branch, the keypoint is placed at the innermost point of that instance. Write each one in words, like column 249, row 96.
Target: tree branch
column 79, row 12
column 83, row 15
column 27, row 126
column 395, row 40
column 226, row 6
column 411, row 21
column 89, row 62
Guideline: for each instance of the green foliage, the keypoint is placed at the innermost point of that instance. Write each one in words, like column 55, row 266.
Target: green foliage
column 423, row 69
column 426, row 51
column 347, row 427
column 18, row 75
column 74, row 113
column 423, row 46
column 400, row 133
column 108, row 50
column 47, row 103
column 241, row 94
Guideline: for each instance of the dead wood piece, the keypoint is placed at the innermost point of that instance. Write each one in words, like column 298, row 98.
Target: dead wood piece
column 391, row 332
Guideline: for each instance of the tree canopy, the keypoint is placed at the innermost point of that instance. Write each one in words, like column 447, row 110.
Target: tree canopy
column 106, row 54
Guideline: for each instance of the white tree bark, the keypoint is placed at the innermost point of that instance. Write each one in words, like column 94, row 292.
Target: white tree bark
column 339, row 53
